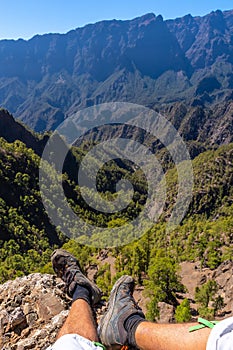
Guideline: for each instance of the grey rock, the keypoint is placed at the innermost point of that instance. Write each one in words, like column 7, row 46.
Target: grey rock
column 43, row 309
column 17, row 317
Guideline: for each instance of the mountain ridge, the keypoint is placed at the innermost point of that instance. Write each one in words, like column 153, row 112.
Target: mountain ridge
column 145, row 60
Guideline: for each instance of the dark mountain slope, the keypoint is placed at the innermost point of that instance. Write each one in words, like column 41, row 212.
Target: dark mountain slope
column 12, row 130
column 24, row 222
column 209, row 126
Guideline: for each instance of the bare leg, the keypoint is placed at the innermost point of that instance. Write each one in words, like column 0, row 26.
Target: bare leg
column 151, row 336
column 80, row 321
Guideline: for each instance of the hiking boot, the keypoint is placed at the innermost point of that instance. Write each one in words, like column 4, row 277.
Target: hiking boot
column 121, row 305
column 67, row 267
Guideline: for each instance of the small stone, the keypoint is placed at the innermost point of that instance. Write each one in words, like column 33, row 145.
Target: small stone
column 166, row 313
column 17, row 317
column 4, row 319
column 31, row 319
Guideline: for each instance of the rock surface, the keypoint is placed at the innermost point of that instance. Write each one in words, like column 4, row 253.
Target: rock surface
column 32, row 310
column 193, row 275
column 166, row 313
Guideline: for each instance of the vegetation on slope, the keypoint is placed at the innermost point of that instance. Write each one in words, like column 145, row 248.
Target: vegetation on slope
column 28, row 237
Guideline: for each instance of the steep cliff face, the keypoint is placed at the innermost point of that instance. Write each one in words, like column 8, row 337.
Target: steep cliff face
column 205, row 40
column 144, row 60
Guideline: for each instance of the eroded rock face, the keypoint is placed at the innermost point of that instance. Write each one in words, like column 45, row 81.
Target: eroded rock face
column 224, row 277
column 32, row 310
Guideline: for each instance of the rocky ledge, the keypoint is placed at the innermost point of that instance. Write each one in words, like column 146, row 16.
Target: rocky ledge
column 32, row 310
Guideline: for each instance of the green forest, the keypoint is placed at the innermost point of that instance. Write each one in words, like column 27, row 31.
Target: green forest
column 28, row 237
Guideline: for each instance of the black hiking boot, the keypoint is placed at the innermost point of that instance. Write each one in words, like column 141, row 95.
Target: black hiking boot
column 67, row 267
column 121, row 305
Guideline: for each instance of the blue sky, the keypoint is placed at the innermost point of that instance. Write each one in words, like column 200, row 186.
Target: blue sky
column 25, row 18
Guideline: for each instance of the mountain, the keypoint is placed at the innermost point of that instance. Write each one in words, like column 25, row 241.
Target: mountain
column 200, row 127
column 145, row 60
column 181, row 68
column 12, row 130
column 206, row 40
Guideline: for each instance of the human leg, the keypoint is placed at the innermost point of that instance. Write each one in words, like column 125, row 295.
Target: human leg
column 124, row 324
column 150, row 336
column 80, row 321
column 160, row 337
